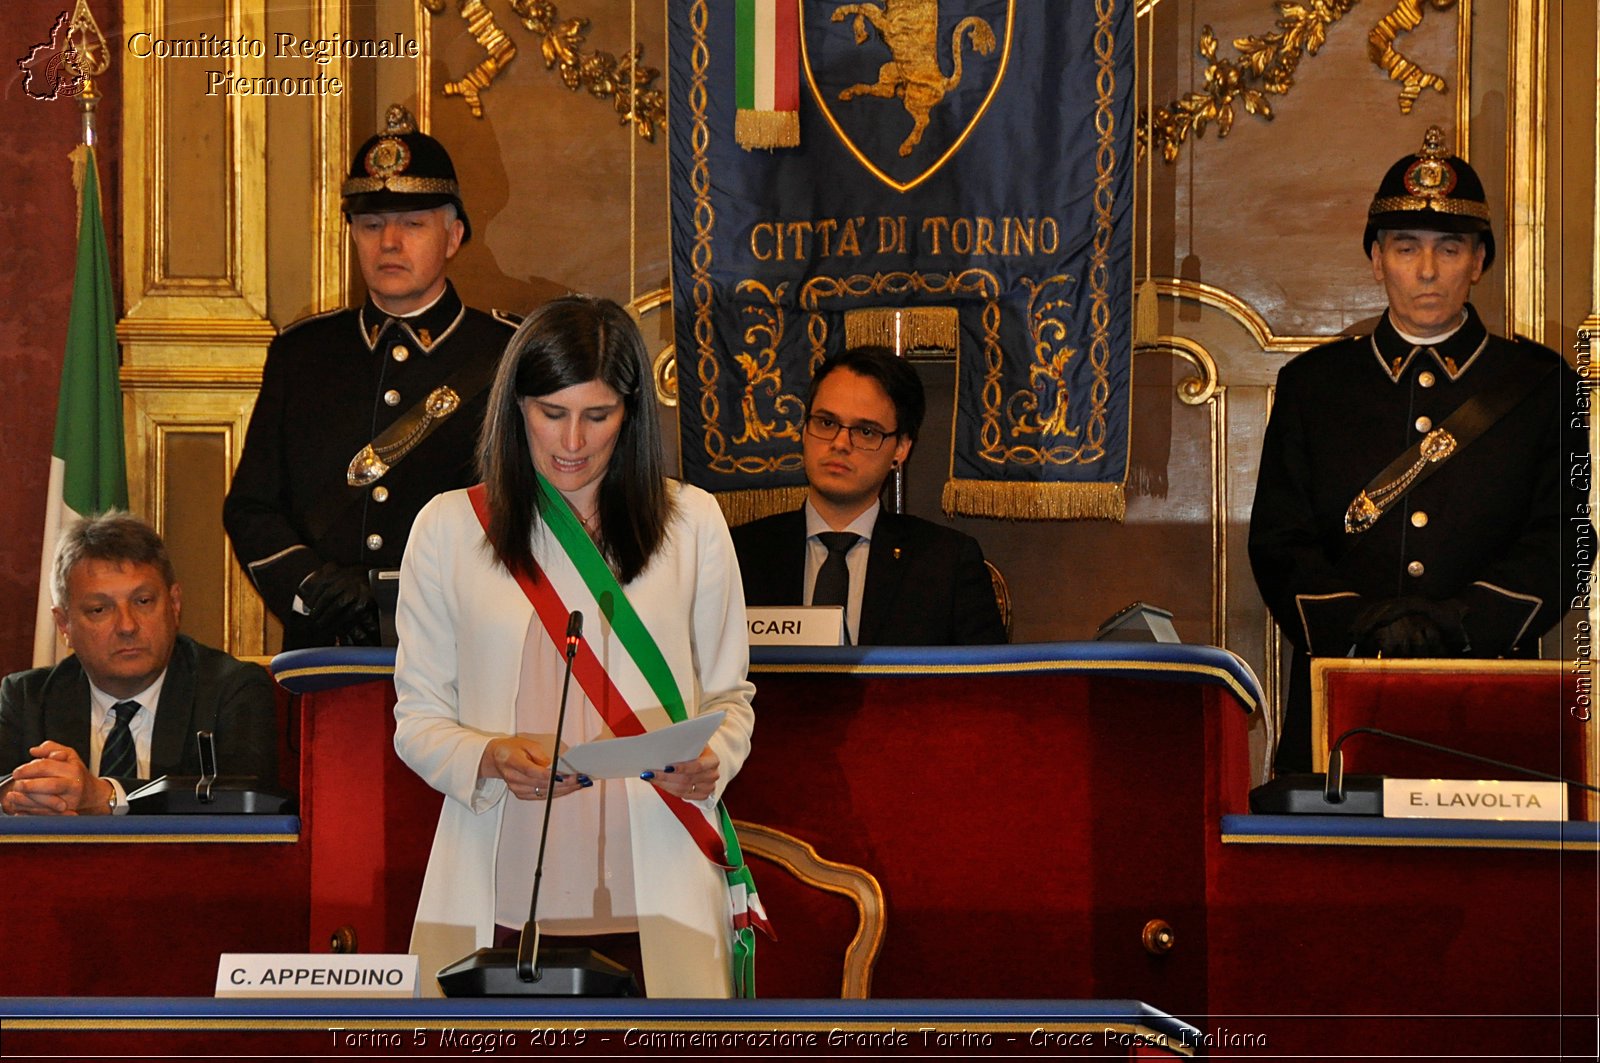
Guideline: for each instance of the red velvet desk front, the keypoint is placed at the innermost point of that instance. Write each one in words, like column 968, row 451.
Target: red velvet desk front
column 120, row 905
column 1357, row 936
column 962, row 780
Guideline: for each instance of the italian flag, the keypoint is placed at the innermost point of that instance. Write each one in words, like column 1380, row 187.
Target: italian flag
column 767, row 73
column 88, row 472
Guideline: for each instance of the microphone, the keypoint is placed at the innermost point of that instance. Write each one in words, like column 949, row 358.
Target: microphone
column 1338, row 794
column 1333, row 789
column 210, row 792
column 565, row 972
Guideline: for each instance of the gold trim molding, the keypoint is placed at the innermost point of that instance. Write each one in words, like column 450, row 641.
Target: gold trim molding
column 802, row 861
column 190, row 378
column 177, row 330
column 148, row 225
column 1240, row 311
column 1205, row 388
column 624, row 80
column 1267, row 64
column 664, row 366
column 1526, row 142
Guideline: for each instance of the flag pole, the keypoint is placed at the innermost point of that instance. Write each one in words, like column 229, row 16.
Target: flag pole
column 88, row 464
column 89, row 56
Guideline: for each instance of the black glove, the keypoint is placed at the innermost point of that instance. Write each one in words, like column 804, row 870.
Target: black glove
column 339, row 604
column 1410, row 627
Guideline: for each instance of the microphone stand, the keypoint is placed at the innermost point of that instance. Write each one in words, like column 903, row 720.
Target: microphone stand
column 528, row 944
column 1333, row 789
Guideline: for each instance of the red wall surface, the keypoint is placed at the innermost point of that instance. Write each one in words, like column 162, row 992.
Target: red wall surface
column 38, row 224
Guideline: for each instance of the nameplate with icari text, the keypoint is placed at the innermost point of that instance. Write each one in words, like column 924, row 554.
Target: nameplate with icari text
column 800, row 625
column 302, row 974
column 1473, row 799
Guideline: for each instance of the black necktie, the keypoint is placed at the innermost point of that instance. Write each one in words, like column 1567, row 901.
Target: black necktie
column 833, row 578
column 119, row 760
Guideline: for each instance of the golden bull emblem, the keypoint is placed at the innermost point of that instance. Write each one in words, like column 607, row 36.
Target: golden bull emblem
column 910, row 30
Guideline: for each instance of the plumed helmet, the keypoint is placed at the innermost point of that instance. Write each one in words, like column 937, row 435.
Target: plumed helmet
column 402, row 169
column 1434, row 191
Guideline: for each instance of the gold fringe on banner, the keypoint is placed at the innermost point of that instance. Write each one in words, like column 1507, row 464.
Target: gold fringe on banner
column 915, row 327
column 742, row 507
column 1035, row 501
column 766, row 129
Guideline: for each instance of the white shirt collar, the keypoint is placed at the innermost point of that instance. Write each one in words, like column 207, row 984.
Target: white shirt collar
column 1428, row 341
column 148, row 698
column 862, row 525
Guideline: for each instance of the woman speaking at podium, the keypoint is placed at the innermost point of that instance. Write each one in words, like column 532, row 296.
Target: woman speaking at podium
column 575, row 514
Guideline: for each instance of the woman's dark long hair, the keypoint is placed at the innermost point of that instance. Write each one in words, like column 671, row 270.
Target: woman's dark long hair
column 569, row 341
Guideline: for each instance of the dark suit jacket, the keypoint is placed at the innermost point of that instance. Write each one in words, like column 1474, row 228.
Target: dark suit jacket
column 926, row 584
column 205, row 690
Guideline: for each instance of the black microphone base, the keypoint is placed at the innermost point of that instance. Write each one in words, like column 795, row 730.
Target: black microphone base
column 560, row 973
column 1303, row 795
column 174, row 795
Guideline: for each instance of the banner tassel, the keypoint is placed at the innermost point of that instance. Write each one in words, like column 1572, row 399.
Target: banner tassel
column 1035, row 501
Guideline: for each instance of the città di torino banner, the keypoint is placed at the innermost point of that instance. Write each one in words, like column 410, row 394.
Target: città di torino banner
column 962, row 183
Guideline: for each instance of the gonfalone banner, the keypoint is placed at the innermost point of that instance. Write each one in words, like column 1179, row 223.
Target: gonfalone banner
column 963, row 183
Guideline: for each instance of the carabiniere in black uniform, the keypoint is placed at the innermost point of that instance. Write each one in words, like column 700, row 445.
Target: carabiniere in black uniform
column 1475, row 551
column 307, row 493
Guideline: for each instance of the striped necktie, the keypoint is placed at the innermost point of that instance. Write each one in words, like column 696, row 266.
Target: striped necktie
column 119, row 759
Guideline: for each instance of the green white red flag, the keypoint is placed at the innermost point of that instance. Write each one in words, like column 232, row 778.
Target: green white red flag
column 88, row 469
column 767, row 73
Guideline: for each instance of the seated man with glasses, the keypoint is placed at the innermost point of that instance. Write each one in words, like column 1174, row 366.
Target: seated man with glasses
column 903, row 581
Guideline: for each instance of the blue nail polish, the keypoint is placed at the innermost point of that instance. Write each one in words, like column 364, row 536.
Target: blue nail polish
column 586, row 782
column 670, row 769
column 648, row 774
column 559, row 778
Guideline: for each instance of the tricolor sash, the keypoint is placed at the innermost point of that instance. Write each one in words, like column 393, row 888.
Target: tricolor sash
column 766, row 42
column 721, row 848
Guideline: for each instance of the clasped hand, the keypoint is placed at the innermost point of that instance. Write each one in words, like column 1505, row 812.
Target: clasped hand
column 1410, row 627
column 56, row 783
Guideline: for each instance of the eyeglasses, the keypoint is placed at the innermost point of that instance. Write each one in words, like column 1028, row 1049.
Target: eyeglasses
column 861, row 436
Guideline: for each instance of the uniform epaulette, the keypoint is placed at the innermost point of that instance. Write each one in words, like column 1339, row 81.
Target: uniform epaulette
column 505, row 318
column 291, row 326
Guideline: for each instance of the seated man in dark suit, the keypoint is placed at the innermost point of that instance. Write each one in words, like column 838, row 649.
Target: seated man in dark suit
column 126, row 705
column 903, row 581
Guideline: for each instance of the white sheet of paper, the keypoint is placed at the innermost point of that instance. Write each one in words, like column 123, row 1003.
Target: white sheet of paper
column 624, row 758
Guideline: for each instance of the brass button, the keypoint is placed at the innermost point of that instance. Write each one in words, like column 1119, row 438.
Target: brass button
column 375, row 542
column 1424, row 378
column 400, row 354
column 391, row 397
column 1413, row 569
column 1419, row 519
column 381, row 494
column 1424, row 424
